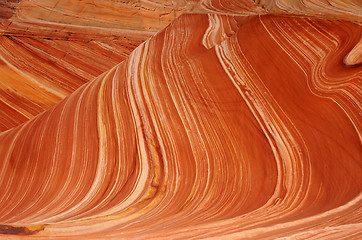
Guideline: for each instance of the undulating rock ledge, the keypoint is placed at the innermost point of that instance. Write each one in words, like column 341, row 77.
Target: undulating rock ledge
column 236, row 127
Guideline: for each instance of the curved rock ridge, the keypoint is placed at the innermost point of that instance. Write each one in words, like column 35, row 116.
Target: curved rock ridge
column 235, row 127
column 40, row 38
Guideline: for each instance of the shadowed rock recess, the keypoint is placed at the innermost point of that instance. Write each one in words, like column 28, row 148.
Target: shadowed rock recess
column 161, row 119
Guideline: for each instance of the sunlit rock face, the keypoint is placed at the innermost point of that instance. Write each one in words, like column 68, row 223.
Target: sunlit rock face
column 230, row 123
column 56, row 46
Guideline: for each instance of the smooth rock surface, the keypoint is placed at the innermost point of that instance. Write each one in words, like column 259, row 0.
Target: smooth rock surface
column 241, row 120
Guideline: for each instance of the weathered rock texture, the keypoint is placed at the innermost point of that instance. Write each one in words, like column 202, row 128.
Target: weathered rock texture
column 7, row 9
column 226, row 126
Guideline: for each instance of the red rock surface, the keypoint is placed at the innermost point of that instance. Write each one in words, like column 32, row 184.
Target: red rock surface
column 226, row 126
column 7, row 9
column 39, row 71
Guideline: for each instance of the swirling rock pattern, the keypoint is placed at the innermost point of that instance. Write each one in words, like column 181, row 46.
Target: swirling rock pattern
column 240, row 126
column 49, row 44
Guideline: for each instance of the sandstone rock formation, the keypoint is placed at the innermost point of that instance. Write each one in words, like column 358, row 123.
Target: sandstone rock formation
column 240, row 120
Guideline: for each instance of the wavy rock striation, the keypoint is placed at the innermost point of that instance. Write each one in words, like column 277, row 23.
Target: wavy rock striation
column 49, row 48
column 235, row 127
